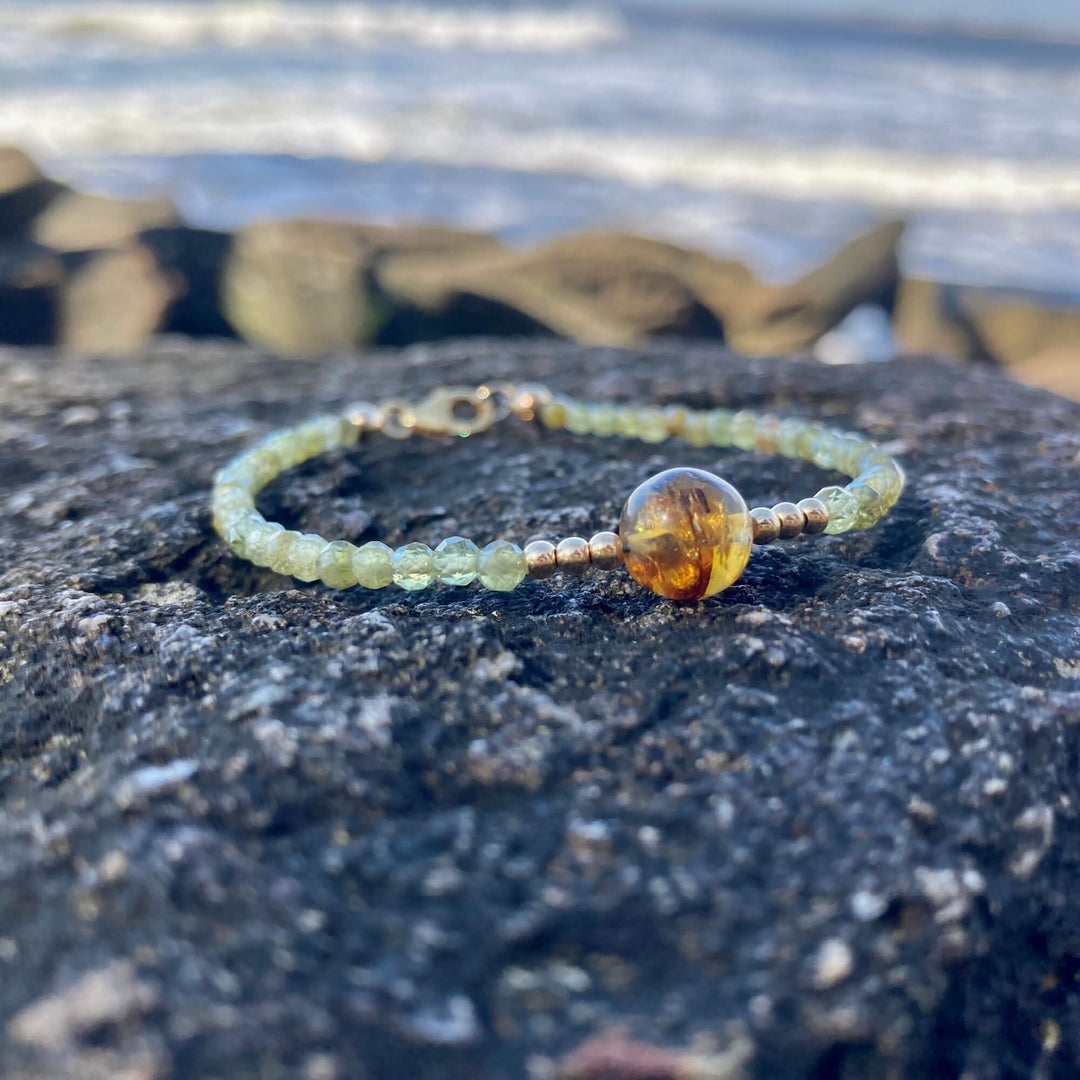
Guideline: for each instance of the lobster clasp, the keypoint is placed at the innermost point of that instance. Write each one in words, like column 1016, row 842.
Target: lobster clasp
column 453, row 410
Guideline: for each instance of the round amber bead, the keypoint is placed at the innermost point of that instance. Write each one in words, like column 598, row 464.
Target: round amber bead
column 686, row 534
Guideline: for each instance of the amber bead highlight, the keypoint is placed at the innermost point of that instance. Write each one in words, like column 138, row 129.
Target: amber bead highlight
column 686, row 534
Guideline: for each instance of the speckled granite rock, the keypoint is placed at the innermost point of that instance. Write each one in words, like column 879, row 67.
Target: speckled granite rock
column 824, row 825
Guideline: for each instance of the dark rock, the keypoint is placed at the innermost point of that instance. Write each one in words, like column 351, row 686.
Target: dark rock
column 43, row 211
column 774, row 320
column 823, row 825
column 107, row 302
column 30, row 280
column 304, row 288
column 24, row 192
column 196, row 260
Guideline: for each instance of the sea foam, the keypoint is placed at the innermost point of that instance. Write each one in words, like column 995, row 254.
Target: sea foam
column 341, row 120
column 249, row 24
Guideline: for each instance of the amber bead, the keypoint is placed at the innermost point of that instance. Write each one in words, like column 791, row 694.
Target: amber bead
column 686, row 534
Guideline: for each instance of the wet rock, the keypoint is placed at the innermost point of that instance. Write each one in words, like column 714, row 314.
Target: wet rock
column 30, row 279
column 107, row 302
column 77, row 221
column 195, row 260
column 1036, row 336
column 928, row 320
column 824, row 824
column 599, row 289
column 24, row 192
column 304, row 288
column 112, row 301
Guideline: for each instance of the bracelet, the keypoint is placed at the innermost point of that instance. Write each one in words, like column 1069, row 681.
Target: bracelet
column 684, row 533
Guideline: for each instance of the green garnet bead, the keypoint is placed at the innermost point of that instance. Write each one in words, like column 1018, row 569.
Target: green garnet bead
column 501, row 566
column 455, row 561
column 304, row 556
column 372, row 565
column 843, row 508
column 335, row 565
column 413, row 566
column 686, row 534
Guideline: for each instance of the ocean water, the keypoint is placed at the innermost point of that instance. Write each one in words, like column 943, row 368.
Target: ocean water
column 769, row 131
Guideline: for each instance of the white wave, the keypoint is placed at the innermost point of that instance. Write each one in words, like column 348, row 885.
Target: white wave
column 344, row 120
column 244, row 24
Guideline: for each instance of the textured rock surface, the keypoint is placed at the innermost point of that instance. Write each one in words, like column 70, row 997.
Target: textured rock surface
column 823, row 825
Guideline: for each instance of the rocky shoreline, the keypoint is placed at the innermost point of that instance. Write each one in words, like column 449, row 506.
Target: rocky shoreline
column 102, row 276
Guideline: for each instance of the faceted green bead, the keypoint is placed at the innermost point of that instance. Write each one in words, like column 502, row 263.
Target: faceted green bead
column 843, row 508
column 627, row 421
column 501, row 566
column 335, row 565
column 242, row 528
column 413, row 566
column 577, row 419
column 886, row 479
column 372, row 565
column 652, row 424
column 823, row 450
column 238, row 473
column 304, row 556
column 871, row 505
column 744, row 429
column 788, row 435
column 849, row 453
column 719, row 426
column 265, row 465
column 259, row 546
column 804, row 441
column 229, row 503
column 455, row 561
column 874, row 455
column 602, row 420
column 318, row 435
column 279, row 551
column 284, row 447
column 696, row 428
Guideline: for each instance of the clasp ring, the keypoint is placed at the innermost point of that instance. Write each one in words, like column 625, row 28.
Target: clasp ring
column 452, row 410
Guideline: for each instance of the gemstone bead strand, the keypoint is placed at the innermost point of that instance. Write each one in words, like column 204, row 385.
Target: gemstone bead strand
column 684, row 533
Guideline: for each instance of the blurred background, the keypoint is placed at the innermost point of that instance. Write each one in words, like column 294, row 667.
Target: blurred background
column 768, row 131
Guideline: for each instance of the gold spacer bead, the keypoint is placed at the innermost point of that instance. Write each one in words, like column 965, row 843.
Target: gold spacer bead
column 365, row 416
column 540, row 560
column 528, row 399
column 766, row 525
column 605, row 550
column 572, row 555
column 817, row 515
column 792, row 519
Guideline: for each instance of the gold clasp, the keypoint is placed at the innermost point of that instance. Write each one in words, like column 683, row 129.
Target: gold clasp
column 452, row 410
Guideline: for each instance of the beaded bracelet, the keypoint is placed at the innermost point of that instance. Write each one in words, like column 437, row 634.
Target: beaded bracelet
column 684, row 533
